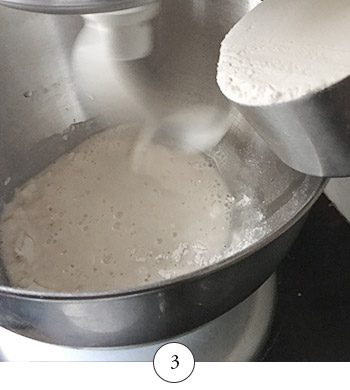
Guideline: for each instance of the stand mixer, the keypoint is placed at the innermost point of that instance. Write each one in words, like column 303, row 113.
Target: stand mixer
column 159, row 312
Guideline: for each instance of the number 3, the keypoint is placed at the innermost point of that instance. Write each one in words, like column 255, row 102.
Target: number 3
column 175, row 357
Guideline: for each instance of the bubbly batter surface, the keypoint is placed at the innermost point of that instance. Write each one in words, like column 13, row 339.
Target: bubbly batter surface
column 93, row 221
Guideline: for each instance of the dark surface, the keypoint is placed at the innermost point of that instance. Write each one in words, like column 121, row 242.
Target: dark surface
column 312, row 319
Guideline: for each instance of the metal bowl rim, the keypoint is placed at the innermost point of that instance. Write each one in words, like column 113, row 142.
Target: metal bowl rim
column 153, row 287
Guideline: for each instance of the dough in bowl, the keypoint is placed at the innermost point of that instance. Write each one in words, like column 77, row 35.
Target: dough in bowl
column 95, row 221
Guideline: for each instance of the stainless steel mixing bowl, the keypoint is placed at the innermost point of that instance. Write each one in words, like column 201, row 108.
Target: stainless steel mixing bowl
column 42, row 116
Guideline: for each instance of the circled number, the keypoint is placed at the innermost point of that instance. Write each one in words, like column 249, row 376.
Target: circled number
column 173, row 362
column 176, row 361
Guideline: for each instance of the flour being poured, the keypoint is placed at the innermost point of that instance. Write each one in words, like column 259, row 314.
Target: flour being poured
column 285, row 49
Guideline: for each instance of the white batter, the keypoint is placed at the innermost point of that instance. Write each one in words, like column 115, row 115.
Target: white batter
column 90, row 222
column 285, row 49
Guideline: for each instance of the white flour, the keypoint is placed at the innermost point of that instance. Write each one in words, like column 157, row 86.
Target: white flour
column 285, row 49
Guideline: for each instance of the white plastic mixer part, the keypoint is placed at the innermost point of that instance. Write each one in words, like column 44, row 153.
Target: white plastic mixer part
column 110, row 67
column 128, row 32
column 107, row 62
